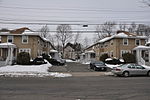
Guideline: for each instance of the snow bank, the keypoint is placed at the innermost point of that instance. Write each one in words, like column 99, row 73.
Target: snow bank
column 111, row 66
column 68, row 60
column 30, row 71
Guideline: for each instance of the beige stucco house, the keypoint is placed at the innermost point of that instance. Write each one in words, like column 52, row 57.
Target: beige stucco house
column 24, row 40
column 118, row 44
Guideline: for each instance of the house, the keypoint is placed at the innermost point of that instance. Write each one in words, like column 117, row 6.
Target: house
column 23, row 40
column 72, row 51
column 118, row 44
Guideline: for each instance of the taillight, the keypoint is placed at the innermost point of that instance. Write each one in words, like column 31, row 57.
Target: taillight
column 117, row 69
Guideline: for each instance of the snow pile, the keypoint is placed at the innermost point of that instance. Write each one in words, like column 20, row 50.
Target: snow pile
column 68, row 60
column 86, row 63
column 111, row 66
column 30, row 71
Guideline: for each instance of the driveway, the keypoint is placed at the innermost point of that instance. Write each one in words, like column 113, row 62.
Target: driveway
column 77, row 69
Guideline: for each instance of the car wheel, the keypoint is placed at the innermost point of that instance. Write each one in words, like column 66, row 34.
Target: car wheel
column 126, row 74
column 148, row 73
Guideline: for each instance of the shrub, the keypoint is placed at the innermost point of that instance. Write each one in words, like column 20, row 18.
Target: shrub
column 129, row 58
column 23, row 58
column 103, row 57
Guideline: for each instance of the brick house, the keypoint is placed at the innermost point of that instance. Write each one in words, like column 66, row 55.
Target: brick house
column 118, row 44
column 24, row 40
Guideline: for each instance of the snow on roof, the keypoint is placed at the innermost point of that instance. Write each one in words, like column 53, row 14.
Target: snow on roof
column 53, row 51
column 29, row 32
column 141, row 47
column 7, row 45
column 91, row 51
column 121, row 35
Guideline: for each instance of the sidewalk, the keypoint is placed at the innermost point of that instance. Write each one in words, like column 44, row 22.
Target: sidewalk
column 77, row 74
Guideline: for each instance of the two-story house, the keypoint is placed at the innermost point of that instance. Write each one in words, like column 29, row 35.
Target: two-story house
column 118, row 44
column 23, row 40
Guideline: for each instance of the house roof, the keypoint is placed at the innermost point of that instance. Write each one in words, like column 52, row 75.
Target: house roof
column 7, row 45
column 142, row 47
column 120, row 34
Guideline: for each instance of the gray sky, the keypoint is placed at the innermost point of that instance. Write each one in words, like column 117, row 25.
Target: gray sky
column 71, row 12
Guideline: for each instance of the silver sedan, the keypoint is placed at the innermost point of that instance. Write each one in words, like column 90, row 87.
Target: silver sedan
column 130, row 69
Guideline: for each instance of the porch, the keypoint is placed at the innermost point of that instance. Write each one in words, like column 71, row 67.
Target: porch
column 8, row 52
column 142, row 55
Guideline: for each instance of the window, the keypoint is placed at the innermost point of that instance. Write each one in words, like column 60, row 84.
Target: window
column 10, row 39
column 137, row 42
column 125, row 41
column 25, row 39
column 125, row 51
column 28, row 50
column 92, row 55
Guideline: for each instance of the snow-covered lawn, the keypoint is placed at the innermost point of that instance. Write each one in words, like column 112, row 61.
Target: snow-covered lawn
column 30, row 71
column 68, row 60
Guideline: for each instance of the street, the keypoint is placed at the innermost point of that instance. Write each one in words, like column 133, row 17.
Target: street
column 90, row 87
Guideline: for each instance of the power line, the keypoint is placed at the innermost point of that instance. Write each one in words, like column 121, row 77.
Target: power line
column 76, row 9
column 80, row 23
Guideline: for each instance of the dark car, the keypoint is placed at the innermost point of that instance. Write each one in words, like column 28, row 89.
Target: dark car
column 56, row 62
column 38, row 61
column 98, row 66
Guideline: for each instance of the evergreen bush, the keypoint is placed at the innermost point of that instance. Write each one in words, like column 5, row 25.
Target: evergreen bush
column 23, row 58
column 103, row 57
column 129, row 58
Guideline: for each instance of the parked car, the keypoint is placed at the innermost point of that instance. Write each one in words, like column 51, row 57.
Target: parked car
column 130, row 69
column 56, row 62
column 38, row 61
column 98, row 66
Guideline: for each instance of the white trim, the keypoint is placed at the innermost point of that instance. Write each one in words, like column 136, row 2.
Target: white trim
column 124, row 51
column 136, row 42
column 25, row 37
column 124, row 41
column 25, row 50
column 12, row 37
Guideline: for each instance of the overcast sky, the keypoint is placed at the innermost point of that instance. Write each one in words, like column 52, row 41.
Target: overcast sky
column 71, row 11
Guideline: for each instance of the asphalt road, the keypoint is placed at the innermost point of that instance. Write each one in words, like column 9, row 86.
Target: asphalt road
column 80, row 87
column 75, row 88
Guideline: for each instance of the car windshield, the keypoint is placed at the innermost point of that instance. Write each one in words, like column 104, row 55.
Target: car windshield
column 99, row 63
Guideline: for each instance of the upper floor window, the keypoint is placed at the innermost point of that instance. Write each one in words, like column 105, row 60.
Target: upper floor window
column 24, row 39
column 10, row 39
column 125, row 41
column 137, row 42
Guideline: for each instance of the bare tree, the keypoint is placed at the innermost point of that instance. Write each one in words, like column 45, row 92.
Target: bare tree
column 99, row 32
column 147, row 2
column 77, row 37
column 108, row 27
column 132, row 27
column 122, row 27
column 44, row 31
column 64, row 35
column 85, row 42
column 143, row 30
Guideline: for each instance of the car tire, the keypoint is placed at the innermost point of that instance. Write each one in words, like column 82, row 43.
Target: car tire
column 126, row 74
column 148, row 73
